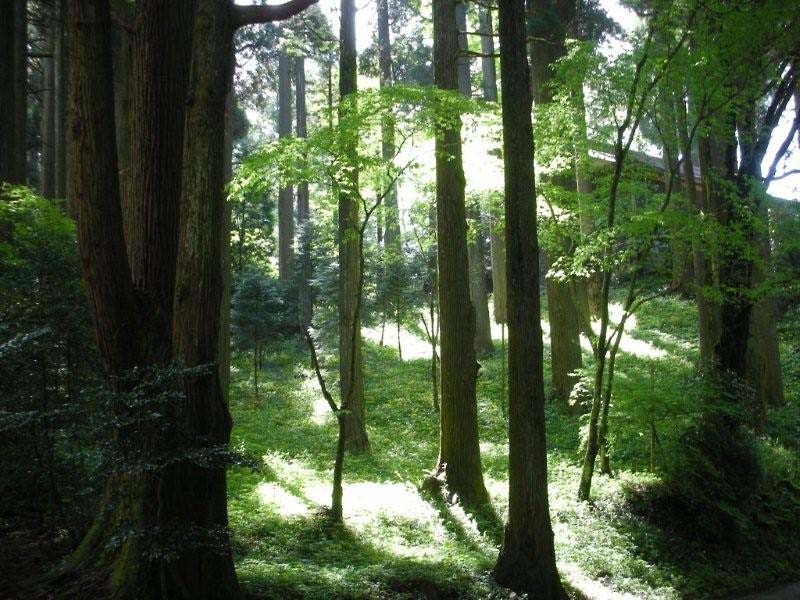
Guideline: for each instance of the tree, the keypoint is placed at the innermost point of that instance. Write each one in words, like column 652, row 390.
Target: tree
column 527, row 561
column 183, row 498
column 285, row 194
column 258, row 314
column 475, row 246
column 14, row 85
column 549, row 22
column 459, row 462
column 351, row 361
column 303, row 209
column 391, row 212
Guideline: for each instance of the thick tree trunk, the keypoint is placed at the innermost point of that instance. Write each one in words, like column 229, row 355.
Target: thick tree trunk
column 349, row 260
column 160, row 52
column 548, row 21
column 303, row 208
column 94, row 192
column 182, row 499
column 459, row 452
column 121, row 61
column 526, row 562
column 286, row 193
column 224, row 362
column 194, row 495
column 94, row 185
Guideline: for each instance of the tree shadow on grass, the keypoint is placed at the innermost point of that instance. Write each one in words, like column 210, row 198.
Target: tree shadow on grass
column 312, row 557
column 487, row 522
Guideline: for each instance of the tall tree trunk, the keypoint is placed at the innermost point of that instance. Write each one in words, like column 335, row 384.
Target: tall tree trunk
column 763, row 361
column 527, row 561
column 391, row 213
column 224, row 362
column 14, row 90
column 459, row 452
column 589, row 300
column 477, row 278
column 303, row 208
column 47, row 125
column 349, row 259
column 707, row 310
column 190, row 492
column 60, row 102
column 121, row 62
column 94, row 192
column 548, row 22
column 7, row 97
column 47, row 178
column 183, row 496
column 497, row 239
column 286, row 193
column 19, row 156
column 160, row 51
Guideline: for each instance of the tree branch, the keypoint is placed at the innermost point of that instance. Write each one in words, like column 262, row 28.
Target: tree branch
column 267, row 13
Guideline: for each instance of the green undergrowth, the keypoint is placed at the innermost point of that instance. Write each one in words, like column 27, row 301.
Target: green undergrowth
column 398, row 542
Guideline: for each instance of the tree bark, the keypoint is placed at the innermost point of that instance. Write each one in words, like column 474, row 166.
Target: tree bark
column 160, row 52
column 190, row 492
column 303, row 208
column 763, row 361
column 7, row 97
column 49, row 31
column 349, row 259
column 13, row 90
column 121, row 63
column 47, row 177
column 526, row 562
column 548, row 22
column 459, row 452
column 60, row 108
column 286, row 193
column 391, row 213
column 477, row 279
column 19, row 156
column 497, row 240
column 707, row 310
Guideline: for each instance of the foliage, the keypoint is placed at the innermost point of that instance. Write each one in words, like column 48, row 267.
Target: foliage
column 260, row 310
column 46, row 358
column 396, row 541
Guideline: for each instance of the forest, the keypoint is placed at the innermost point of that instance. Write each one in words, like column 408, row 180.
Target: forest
column 400, row 299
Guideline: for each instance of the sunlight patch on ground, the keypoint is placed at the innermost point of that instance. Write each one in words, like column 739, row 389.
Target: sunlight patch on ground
column 629, row 344
column 413, row 347
column 320, row 411
column 493, row 449
column 284, row 503
column 392, row 515
column 591, row 589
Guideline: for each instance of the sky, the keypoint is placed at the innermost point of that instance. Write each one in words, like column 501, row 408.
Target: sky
column 788, row 188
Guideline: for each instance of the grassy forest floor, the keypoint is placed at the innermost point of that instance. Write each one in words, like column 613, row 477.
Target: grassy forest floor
column 398, row 542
